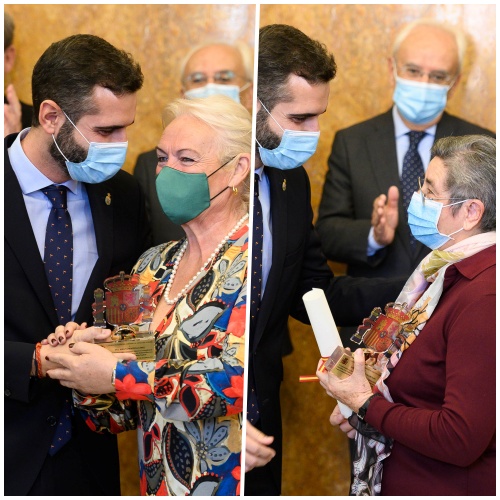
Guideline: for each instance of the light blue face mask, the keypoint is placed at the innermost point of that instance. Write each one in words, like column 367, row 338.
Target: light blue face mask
column 419, row 102
column 104, row 160
column 295, row 148
column 423, row 220
column 232, row 91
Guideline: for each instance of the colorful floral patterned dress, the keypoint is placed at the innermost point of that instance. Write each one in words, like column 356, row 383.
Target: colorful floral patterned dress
column 186, row 406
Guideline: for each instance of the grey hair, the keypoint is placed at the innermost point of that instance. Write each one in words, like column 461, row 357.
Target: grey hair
column 8, row 30
column 457, row 34
column 470, row 161
column 243, row 48
column 231, row 121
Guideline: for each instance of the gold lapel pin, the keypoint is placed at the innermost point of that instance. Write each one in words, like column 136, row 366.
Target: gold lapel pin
column 108, row 199
column 283, row 186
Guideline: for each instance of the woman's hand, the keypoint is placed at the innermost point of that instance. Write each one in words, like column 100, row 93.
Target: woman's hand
column 85, row 367
column 76, row 332
column 354, row 390
column 336, row 418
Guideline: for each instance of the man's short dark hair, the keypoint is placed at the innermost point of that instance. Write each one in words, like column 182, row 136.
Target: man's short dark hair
column 284, row 51
column 8, row 30
column 69, row 70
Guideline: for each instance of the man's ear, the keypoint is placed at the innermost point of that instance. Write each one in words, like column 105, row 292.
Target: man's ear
column 50, row 116
column 9, row 58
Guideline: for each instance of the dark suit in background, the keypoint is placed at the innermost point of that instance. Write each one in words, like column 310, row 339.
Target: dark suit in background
column 298, row 265
column 362, row 165
column 162, row 227
column 88, row 464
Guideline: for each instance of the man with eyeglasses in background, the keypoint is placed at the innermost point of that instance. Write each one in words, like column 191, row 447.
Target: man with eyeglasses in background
column 211, row 68
column 357, row 224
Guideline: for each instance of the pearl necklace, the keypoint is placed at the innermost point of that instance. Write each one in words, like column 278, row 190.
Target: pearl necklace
column 178, row 258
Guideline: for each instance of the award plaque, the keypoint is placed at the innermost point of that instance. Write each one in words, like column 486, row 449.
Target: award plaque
column 126, row 306
column 385, row 332
column 341, row 364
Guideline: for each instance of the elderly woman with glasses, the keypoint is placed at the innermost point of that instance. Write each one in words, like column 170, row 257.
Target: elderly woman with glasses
column 428, row 423
column 187, row 403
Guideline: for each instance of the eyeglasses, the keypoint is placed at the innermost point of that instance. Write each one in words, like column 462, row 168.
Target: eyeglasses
column 428, row 197
column 412, row 72
column 224, row 77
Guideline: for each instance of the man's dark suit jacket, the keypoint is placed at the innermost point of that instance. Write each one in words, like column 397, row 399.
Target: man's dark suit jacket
column 88, row 464
column 162, row 227
column 298, row 265
column 362, row 165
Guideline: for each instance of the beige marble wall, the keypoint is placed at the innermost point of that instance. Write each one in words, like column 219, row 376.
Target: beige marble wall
column 158, row 36
column 315, row 455
column 360, row 37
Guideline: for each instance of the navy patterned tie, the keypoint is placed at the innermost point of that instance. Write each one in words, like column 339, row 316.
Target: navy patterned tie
column 413, row 168
column 58, row 260
column 256, row 284
column 58, row 257
column 258, row 241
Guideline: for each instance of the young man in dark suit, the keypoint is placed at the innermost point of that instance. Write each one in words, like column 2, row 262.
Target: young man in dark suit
column 293, row 89
column 84, row 97
column 362, row 217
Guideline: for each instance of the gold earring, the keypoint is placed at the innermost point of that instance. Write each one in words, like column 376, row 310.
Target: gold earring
column 235, row 190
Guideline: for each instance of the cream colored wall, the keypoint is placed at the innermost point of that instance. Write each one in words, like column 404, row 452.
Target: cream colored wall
column 158, row 37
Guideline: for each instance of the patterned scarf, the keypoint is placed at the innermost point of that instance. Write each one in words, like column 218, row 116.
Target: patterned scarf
column 421, row 293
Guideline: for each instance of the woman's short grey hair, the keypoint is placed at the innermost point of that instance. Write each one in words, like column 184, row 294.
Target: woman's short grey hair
column 470, row 161
column 231, row 121
column 457, row 34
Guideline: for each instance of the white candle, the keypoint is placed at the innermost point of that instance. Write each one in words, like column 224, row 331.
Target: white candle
column 324, row 328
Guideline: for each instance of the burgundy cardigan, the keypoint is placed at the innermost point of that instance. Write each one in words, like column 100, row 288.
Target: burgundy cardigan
column 443, row 416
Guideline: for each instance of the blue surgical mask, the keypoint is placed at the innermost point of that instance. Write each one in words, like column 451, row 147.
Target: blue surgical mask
column 423, row 220
column 104, row 160
column 232, row 91
column 419, row 102
column 295, row 148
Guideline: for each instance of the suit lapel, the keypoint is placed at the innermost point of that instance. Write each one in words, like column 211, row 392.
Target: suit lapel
column 102, row 216
column 381, row 146
column 19, row 235
column 279, row 216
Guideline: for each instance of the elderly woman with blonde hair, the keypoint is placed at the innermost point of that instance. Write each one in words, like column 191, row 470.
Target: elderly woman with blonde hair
column 187, row 405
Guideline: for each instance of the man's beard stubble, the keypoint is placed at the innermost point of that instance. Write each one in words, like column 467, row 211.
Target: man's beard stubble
column 266, row 137
column 67, row 144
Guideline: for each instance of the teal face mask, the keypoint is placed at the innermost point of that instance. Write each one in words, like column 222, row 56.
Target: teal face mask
column 183, row 196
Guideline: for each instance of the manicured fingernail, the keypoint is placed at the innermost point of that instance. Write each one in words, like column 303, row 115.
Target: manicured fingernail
column 61, row 339
column 47, row 358
column 67, row 331
column 53, row 341
column 71, row 345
